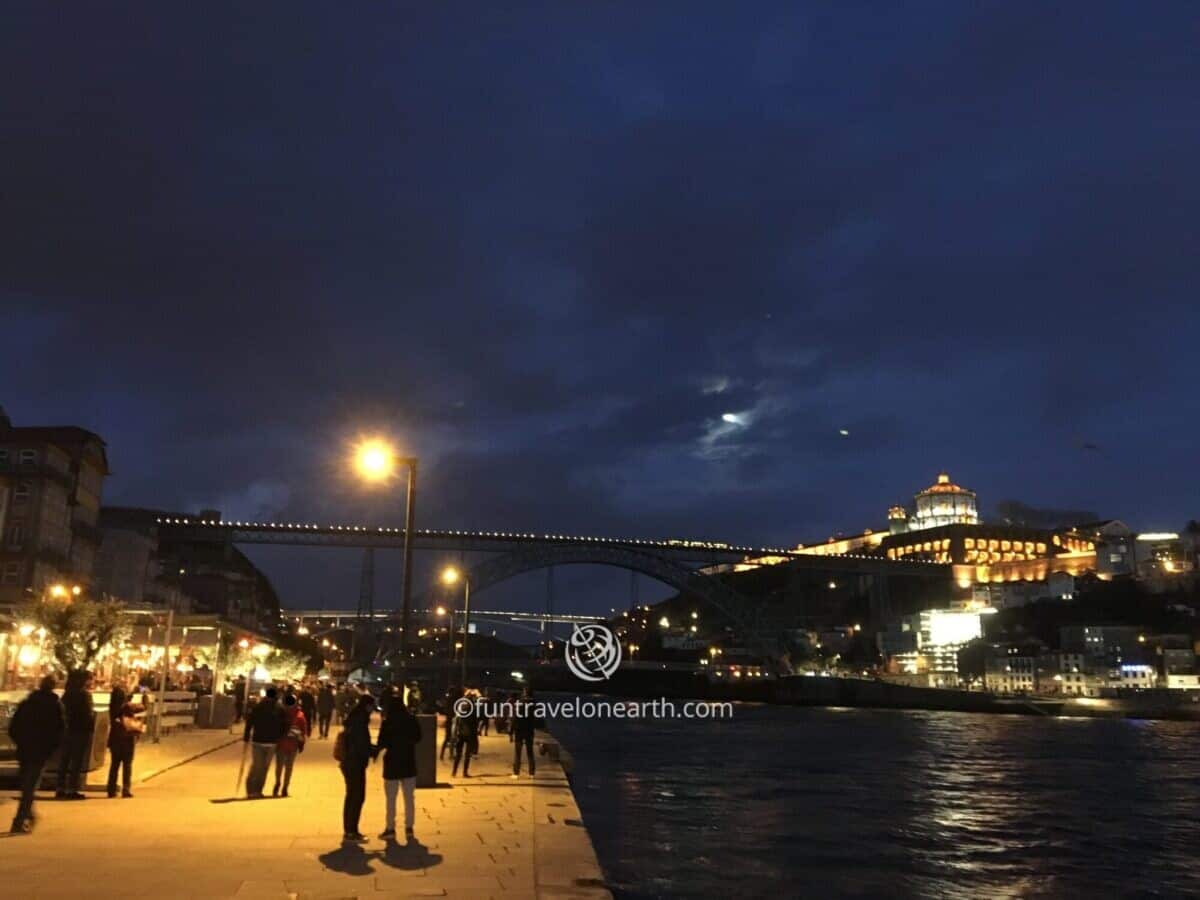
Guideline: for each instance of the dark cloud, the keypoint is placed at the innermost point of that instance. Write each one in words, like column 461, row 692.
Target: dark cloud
column 550, row 247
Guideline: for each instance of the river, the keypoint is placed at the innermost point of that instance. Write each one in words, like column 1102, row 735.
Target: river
column 803, row 802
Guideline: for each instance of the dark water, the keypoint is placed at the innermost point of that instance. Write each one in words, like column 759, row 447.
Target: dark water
column 861, row 803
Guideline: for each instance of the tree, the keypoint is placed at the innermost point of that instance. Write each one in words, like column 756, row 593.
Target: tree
column 79, row 629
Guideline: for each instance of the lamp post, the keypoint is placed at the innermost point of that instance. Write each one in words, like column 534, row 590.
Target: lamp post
column 376, row 462
column 451, row 576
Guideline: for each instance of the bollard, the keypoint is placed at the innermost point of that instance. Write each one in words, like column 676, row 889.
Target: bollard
column 426, row 752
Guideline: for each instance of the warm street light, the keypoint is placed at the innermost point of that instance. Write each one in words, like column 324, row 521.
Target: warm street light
column 451, row 576
column 375, row 460
column 441, row 610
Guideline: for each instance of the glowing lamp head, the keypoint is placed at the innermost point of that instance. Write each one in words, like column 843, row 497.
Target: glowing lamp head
column 375, row 460
column 450, row 575
column 441, row 610
column 58, row 590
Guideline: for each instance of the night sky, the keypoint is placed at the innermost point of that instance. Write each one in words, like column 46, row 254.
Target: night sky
column 608, row 268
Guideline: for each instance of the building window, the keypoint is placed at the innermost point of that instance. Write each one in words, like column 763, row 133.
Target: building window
column 28, row 457
column 3, row 457
column 21, row 493
column 12, row 573
column 16, row 534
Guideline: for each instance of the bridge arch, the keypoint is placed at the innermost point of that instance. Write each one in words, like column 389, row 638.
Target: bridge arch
column 709, row 589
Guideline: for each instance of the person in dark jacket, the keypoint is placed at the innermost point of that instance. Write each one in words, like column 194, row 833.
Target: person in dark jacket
column 81, row 722
column 326, row 701
column 123, row 731
column 466, row 730
column 264, row 727
column 36, row 728
column 308, row 706
column 398, row 738
column 357, row 755
column 524, row 723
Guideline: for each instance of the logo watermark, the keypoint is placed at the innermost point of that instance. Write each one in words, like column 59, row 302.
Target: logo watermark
column 593, row 652
column 589, row 708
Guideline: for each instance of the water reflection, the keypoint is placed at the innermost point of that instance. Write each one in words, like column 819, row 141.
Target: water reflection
column 862, row 803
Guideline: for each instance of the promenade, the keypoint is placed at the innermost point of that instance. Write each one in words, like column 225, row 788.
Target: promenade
column 185, row 834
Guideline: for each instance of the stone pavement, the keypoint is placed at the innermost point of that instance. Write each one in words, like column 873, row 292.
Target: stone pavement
column 175, row 749
column 185, row 835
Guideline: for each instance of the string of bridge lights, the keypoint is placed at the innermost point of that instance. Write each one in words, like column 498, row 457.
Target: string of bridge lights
column 664, row 544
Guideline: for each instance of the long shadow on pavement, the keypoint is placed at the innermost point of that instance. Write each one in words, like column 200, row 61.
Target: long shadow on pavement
column 349, row 859
column 413, row 855
column 352, row 859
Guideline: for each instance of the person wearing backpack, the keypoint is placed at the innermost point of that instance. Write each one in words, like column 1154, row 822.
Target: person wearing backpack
column 398, row 738
column 292, row 742
column 37, row 728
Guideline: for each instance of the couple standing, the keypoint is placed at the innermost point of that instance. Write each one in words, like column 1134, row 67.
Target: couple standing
column 399, row 735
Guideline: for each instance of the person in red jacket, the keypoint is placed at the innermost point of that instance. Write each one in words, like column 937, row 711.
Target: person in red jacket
column 294, row 734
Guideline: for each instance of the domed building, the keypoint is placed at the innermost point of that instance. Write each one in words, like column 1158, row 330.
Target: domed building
column 944, row 503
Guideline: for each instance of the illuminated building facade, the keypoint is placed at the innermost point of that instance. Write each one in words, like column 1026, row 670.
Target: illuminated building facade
column 52, row 479
column 923, row 648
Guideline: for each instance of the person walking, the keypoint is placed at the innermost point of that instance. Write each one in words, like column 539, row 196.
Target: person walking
column 295, row 733
column 355, row 754
column 524, row 723
column 448, row 727
column 325, row 704
column 239, row 699
column 398, row 738
column 466, row 742
column 308, row 705
column 484, row 728
column 37, row 728
column 264, row 728
column 81, row 723
column 346, row 700
column 124, row 729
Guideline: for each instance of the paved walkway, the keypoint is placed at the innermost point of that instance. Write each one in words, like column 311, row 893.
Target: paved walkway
column 184, row 835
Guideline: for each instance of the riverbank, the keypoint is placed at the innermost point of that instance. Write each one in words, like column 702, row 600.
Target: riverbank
column 866, row 693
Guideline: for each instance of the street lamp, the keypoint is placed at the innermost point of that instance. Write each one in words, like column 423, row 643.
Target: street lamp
column 450, row 577
column 376, row 460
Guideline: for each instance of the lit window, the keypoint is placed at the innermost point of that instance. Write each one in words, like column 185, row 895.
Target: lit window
column 969, row 543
